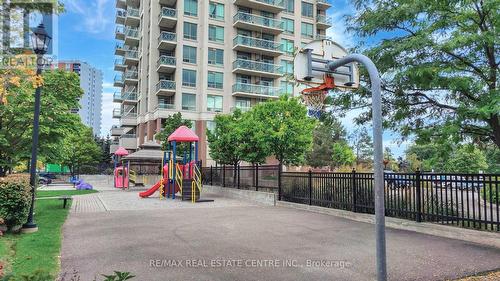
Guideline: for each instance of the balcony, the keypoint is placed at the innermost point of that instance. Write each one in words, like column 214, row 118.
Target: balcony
column 113, row 147
column 119, row 50
column 165, row 87
column 322, row 37
column 133, row 17
column 131, row 77
column 129, row 97
column 116, row 131
column 166, row 64
column 120, row 16
column 120, row 32
column 323, row 22
column 117, row 97
column 257, row 23
column 131, row 57
column 253, row 90
column 166, row 106
column 257, row 68
column 128, row 141
column 167, row 17
column 323, row 4
column 121, row 4
column 241, row 108
column 256, row 45
column 131, row 36
column 128, row 119
column 167, row 41
column 118, row 81
column 273, row 6
column 117, row 113
column 120, row 65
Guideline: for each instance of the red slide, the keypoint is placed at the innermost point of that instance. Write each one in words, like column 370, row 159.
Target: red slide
column 150, row 191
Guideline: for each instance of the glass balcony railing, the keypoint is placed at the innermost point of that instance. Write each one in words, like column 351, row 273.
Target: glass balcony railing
column 117, row 96
column 167, row 36
column 166, row 60
column 168, row 12
column 132, row 33
column 128, row 136
column 323, row 19
column 277, row 3
column 323, row 2
column 256, row 89
column 130, row 96
column 118, row 79
column 323, row 37
column 131, row 74
column 120, row 29
column 258, row 20
column 132, row 12
column 121, row 13
column 258, row 66
column 166, row 106
column 241, row 108
column 131, row 54
column 165, row 85
column 119, row 62
column 117, row 113
column 257, row 43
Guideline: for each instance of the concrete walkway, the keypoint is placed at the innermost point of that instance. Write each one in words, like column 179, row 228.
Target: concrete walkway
column 231, row 239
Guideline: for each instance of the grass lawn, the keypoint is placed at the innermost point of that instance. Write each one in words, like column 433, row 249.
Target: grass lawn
column 27, row 253
column 56, row 193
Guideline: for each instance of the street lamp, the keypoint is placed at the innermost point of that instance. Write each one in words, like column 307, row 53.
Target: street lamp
column 40, row 42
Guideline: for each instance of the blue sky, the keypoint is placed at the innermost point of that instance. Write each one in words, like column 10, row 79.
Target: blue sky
column 86, row 32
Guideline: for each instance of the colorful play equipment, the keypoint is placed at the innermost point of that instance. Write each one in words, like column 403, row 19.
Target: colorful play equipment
column 179, row 175
column 121, row 172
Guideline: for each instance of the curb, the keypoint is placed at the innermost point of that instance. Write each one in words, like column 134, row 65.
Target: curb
column 260, row 197
column 485, row 238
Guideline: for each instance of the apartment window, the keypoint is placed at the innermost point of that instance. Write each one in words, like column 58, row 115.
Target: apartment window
column 287, row 46
column 286, row 87
column 287, row 66
column 288, row 25
column 215, row 79
column 243, row 79
column 307, row 9
column 289, row 6
column 188, row 101
column 306, row 30
column 210, row 125
column 190, row 30
column 242, row 103
column 216, row 33
column 189, row 78
column 216, row 11
column 215, row 56
column 191, row 7
column 214, row 103
column 189, row 54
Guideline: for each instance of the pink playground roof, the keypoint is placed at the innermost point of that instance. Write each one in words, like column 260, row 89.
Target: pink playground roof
column 121, row 151
column 183, row 134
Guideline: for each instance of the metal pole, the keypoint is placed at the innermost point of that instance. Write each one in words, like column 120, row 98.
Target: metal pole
column 378, row 154
column 30, row 224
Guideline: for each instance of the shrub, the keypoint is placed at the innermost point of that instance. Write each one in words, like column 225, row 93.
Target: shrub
column 15, row 199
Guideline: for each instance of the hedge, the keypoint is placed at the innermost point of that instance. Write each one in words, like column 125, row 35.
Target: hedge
column 15, row 199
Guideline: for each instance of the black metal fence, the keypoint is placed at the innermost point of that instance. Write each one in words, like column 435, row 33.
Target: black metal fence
column 466, row 200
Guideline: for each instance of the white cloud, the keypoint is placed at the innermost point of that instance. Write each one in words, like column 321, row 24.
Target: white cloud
column 95, row 15
column 338, row 31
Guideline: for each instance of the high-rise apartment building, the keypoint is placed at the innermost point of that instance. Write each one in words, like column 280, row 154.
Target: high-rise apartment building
column 91, row 83
column 204, row 57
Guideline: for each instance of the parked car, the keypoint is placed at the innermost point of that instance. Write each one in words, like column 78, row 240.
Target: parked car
column 48, row 175
column 44, row 180
column 394, row 181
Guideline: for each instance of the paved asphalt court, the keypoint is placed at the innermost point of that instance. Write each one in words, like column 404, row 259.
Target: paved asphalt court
column 230, row 239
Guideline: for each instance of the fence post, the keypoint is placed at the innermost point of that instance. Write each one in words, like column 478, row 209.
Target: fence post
column 354, row 190
column 418, row 195
column 211, row 176
column 223, row 175
column 310, row 187
column 257, row 177
column 238, row 176
column 279, row 181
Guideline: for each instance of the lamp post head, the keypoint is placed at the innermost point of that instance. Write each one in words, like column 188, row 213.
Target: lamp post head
column 40, row 40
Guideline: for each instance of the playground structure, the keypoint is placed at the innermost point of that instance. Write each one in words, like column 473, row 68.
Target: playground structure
column 179, row 175
column 120, row 172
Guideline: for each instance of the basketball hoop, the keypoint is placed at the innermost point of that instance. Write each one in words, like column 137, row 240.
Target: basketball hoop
column 315, row 97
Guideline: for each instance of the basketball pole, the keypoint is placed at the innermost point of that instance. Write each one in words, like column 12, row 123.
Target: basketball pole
column 378, row 154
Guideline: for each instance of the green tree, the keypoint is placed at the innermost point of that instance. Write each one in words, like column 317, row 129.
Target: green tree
column 342, row 154
column 288, row 129
column 80, row 148
column 363, row 145
column 439, row 62
column 466, row 159
column 172, row 122
column 328, row 131
column 60, row 94
column 253, row 146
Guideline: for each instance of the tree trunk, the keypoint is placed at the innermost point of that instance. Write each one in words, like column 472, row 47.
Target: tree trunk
column 494, row 122
column 235, row 170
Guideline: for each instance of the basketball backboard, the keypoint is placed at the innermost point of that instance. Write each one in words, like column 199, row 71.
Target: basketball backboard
column 310, row 66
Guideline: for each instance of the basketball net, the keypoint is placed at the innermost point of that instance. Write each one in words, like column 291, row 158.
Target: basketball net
column 315, row 97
